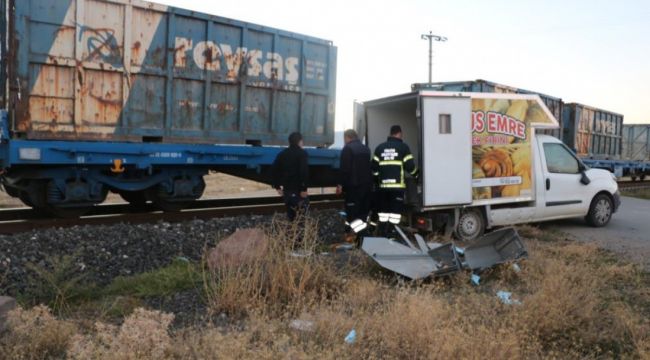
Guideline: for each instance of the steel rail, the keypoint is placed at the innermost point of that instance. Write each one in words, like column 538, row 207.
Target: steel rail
column 14, row 221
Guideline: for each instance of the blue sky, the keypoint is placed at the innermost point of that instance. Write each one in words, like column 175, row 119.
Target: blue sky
column 592, row 52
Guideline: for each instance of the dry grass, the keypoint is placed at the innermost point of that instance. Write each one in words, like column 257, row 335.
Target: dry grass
column 276, row 282
column 577, row 302
column 35, row 334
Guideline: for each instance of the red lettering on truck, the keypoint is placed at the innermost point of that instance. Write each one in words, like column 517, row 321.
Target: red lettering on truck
column 498, row 123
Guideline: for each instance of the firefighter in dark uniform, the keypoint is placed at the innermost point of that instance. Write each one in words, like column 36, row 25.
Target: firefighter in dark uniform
column 290, row 173
column 355, row 181
column 390, row 162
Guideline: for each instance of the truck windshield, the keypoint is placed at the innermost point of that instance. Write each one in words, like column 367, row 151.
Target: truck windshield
column 560, row 160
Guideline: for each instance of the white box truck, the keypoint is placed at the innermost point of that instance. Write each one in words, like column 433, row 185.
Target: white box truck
column 482, row 164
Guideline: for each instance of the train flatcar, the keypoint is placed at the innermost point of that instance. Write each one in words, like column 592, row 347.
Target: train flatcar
column 144, row 100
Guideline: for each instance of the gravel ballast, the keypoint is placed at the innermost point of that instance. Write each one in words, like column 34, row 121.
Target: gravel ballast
column 101, row 253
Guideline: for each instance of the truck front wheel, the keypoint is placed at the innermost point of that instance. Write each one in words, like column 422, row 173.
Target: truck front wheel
column 600, row 210
column 471, row 225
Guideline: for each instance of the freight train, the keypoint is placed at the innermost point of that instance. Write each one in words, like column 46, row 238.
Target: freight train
column 143, row 100
column 597, row 136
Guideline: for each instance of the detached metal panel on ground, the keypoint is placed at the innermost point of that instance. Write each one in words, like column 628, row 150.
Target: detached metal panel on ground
column 593, row 133
column 636, row 142
column 131, row 70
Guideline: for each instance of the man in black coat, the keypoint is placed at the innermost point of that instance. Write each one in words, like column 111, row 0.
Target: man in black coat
column 355, row 181
column 392, row 159
column 290, row 176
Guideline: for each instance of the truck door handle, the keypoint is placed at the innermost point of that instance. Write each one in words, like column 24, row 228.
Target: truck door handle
column 548, row 184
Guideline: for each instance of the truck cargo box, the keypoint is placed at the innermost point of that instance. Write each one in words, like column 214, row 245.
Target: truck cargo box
column 593, row 133
column 120, row 70
column 636, row 142
column 554, row 104
column 473, row 148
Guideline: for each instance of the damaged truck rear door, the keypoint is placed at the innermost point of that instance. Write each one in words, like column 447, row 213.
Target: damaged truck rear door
column 483, row 165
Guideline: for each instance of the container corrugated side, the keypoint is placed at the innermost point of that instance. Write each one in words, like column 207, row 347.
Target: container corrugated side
column 593, row 133
column 139, row 71
column 554, row 104
column 636, row 142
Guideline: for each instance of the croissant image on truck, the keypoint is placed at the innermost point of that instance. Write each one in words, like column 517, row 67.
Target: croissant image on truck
column 486, row 162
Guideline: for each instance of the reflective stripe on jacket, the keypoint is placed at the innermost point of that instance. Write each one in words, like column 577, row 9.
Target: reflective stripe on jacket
column 389, row 162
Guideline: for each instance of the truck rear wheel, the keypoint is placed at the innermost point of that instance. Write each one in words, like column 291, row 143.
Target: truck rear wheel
column 471, row 225
column 600, row 210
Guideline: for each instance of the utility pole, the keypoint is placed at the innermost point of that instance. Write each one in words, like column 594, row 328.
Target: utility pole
column 431, row 38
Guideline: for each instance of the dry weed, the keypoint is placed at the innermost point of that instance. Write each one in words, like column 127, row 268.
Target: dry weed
column 575, row 303
column 276, row 281
column 143, row 335
column 35, row 334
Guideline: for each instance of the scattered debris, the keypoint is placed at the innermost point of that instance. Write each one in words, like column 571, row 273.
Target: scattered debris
column 516, row 268
column 302, row 325
column 351, row 337
column 506, row 298
column 301, row 253
column 421, row 261
column 497, row 247
column 342, row 247
column 476, row 280
column 183, row 259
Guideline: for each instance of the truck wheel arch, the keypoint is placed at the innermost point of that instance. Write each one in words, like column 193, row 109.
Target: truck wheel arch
column 593, row 217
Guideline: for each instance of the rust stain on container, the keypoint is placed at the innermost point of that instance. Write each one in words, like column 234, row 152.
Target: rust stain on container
column 74, row 83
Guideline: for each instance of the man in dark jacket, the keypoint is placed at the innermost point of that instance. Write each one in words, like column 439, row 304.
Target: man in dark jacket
column 390, row 162
column 291, row 175
column 355, row 181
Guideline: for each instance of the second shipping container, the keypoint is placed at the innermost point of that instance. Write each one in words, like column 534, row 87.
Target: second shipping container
column 591, row 132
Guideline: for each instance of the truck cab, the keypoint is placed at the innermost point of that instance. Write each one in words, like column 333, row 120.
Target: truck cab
column 483, row 165
column 564, row 188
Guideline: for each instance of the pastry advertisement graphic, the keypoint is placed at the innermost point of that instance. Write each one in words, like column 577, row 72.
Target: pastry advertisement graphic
column 501, row 147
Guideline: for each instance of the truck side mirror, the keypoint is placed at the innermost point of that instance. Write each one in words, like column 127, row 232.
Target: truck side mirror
column 584, row 179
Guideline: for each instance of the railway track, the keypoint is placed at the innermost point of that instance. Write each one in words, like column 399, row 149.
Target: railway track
column 633, row 185
column 18, row 220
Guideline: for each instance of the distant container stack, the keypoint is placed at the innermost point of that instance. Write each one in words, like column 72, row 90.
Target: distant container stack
column 593, row 133
column 636, row 142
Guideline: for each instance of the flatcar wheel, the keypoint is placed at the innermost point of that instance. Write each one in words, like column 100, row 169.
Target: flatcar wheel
column 68, row 212
column 135, row 198
column 24, row 197
column 167, row 205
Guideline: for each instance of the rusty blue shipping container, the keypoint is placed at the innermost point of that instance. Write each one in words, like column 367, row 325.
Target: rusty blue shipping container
column 554, row 104
column 129, row 70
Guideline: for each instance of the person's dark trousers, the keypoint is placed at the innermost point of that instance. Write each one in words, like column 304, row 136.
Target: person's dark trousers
column 357, row 206
column 295, row 204
column 389, row 212
column 297, row 209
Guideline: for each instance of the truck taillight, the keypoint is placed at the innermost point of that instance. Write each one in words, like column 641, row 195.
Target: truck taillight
column 422, row 223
